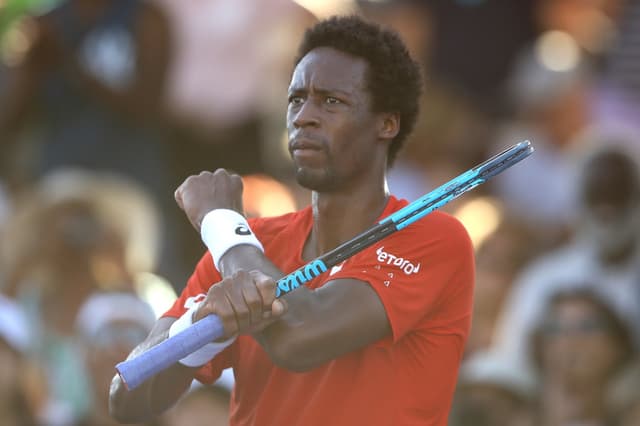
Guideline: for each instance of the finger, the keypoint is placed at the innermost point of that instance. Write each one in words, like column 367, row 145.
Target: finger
column 220, row 305
column 254, row 302
column 266, row 287
column 247, row 291
column 239, row 306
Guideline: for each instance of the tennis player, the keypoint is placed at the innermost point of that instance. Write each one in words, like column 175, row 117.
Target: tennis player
column 376, row 340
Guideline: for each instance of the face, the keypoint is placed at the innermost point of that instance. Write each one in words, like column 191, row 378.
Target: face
column 333, row 134
column 578, row 344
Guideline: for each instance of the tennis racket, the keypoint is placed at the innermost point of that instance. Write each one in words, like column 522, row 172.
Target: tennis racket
column 136, row 370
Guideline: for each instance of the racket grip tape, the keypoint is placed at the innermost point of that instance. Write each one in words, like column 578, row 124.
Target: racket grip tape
column 137, row 370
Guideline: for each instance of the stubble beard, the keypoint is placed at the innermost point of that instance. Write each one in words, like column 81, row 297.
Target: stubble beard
column 323, row 180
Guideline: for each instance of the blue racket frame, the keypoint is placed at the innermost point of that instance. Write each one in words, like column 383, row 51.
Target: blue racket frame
column 136, row 370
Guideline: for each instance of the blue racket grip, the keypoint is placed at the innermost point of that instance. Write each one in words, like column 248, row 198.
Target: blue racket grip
column 137, row 370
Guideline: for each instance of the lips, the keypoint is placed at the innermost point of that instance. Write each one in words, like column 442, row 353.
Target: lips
column 307, row 151
column 305, row 143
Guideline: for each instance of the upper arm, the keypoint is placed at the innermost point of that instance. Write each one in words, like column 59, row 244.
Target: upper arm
column 421, row 276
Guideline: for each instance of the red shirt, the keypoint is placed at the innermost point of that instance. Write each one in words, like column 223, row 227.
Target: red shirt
column 423, row 275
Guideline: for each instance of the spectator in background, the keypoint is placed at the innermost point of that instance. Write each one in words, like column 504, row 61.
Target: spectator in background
column 226, row 90
column 603, row 254
column 90, row 92
column 203, row 405
column 108, row 326
column 95, row 71
column 450, row 134
column 552, row 110
column 579, row 346
column 245, row 44
column 499, row 259
column 493, row 392
column 553, row 93
column 618, row 102
column 18, row 400
column 61, row 246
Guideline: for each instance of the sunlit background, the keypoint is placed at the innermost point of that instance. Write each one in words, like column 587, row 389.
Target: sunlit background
column 101, row 118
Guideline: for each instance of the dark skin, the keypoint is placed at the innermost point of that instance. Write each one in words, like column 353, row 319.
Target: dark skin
column 339, row 147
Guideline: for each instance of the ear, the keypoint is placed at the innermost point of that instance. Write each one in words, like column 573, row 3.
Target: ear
column 389, row 125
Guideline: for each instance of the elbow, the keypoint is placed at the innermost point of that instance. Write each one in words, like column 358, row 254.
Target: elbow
column 117, row 409
column 117, row 414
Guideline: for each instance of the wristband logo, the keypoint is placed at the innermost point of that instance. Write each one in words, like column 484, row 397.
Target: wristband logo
column 243, row 229
column 300, row 276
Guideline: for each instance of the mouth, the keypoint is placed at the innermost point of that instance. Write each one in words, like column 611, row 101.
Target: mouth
column 305, row 144
column 307, row 151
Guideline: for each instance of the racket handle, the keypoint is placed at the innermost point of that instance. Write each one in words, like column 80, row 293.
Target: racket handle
column 136, row 370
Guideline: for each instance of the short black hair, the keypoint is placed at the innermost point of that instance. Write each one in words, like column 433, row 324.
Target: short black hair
column 393, row 77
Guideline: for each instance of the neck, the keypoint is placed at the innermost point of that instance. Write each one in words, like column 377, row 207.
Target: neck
column 340, row 216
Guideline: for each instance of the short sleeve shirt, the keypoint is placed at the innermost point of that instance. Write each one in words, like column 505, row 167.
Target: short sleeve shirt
column 424, row 277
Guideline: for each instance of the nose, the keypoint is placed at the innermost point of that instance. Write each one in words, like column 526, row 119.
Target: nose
column 306, row 115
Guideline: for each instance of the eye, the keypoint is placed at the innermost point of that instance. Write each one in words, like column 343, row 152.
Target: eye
column 332, row 101
column 296, row 100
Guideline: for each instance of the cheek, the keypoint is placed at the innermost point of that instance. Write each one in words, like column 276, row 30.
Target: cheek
column 353, row 146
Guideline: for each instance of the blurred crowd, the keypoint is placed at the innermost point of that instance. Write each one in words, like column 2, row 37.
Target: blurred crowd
column 106, row 106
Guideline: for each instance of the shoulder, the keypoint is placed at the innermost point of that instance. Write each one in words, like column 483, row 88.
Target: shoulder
column 276, row 224
column 437, row 228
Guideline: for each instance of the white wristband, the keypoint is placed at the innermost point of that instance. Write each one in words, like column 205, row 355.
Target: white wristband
column 205, row 353
column 222, row 229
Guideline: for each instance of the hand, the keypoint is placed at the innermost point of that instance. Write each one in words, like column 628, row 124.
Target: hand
column 246, row 303
column 200, row 194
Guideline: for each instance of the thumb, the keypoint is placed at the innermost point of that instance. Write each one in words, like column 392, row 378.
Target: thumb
column 279, row 307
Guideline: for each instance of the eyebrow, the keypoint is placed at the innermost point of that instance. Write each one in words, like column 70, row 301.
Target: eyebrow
column 321, row 91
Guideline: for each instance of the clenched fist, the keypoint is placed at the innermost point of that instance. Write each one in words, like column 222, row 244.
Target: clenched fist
column 199, row 194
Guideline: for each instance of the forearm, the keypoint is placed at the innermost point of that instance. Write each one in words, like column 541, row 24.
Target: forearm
column 153, row 397
column 289, row 339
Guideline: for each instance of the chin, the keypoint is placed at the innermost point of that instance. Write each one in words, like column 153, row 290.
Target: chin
column 316, row 180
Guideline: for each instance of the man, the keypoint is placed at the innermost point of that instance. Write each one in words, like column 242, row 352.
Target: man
column 94, row 72
column 603, row 254
column 376, row 340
